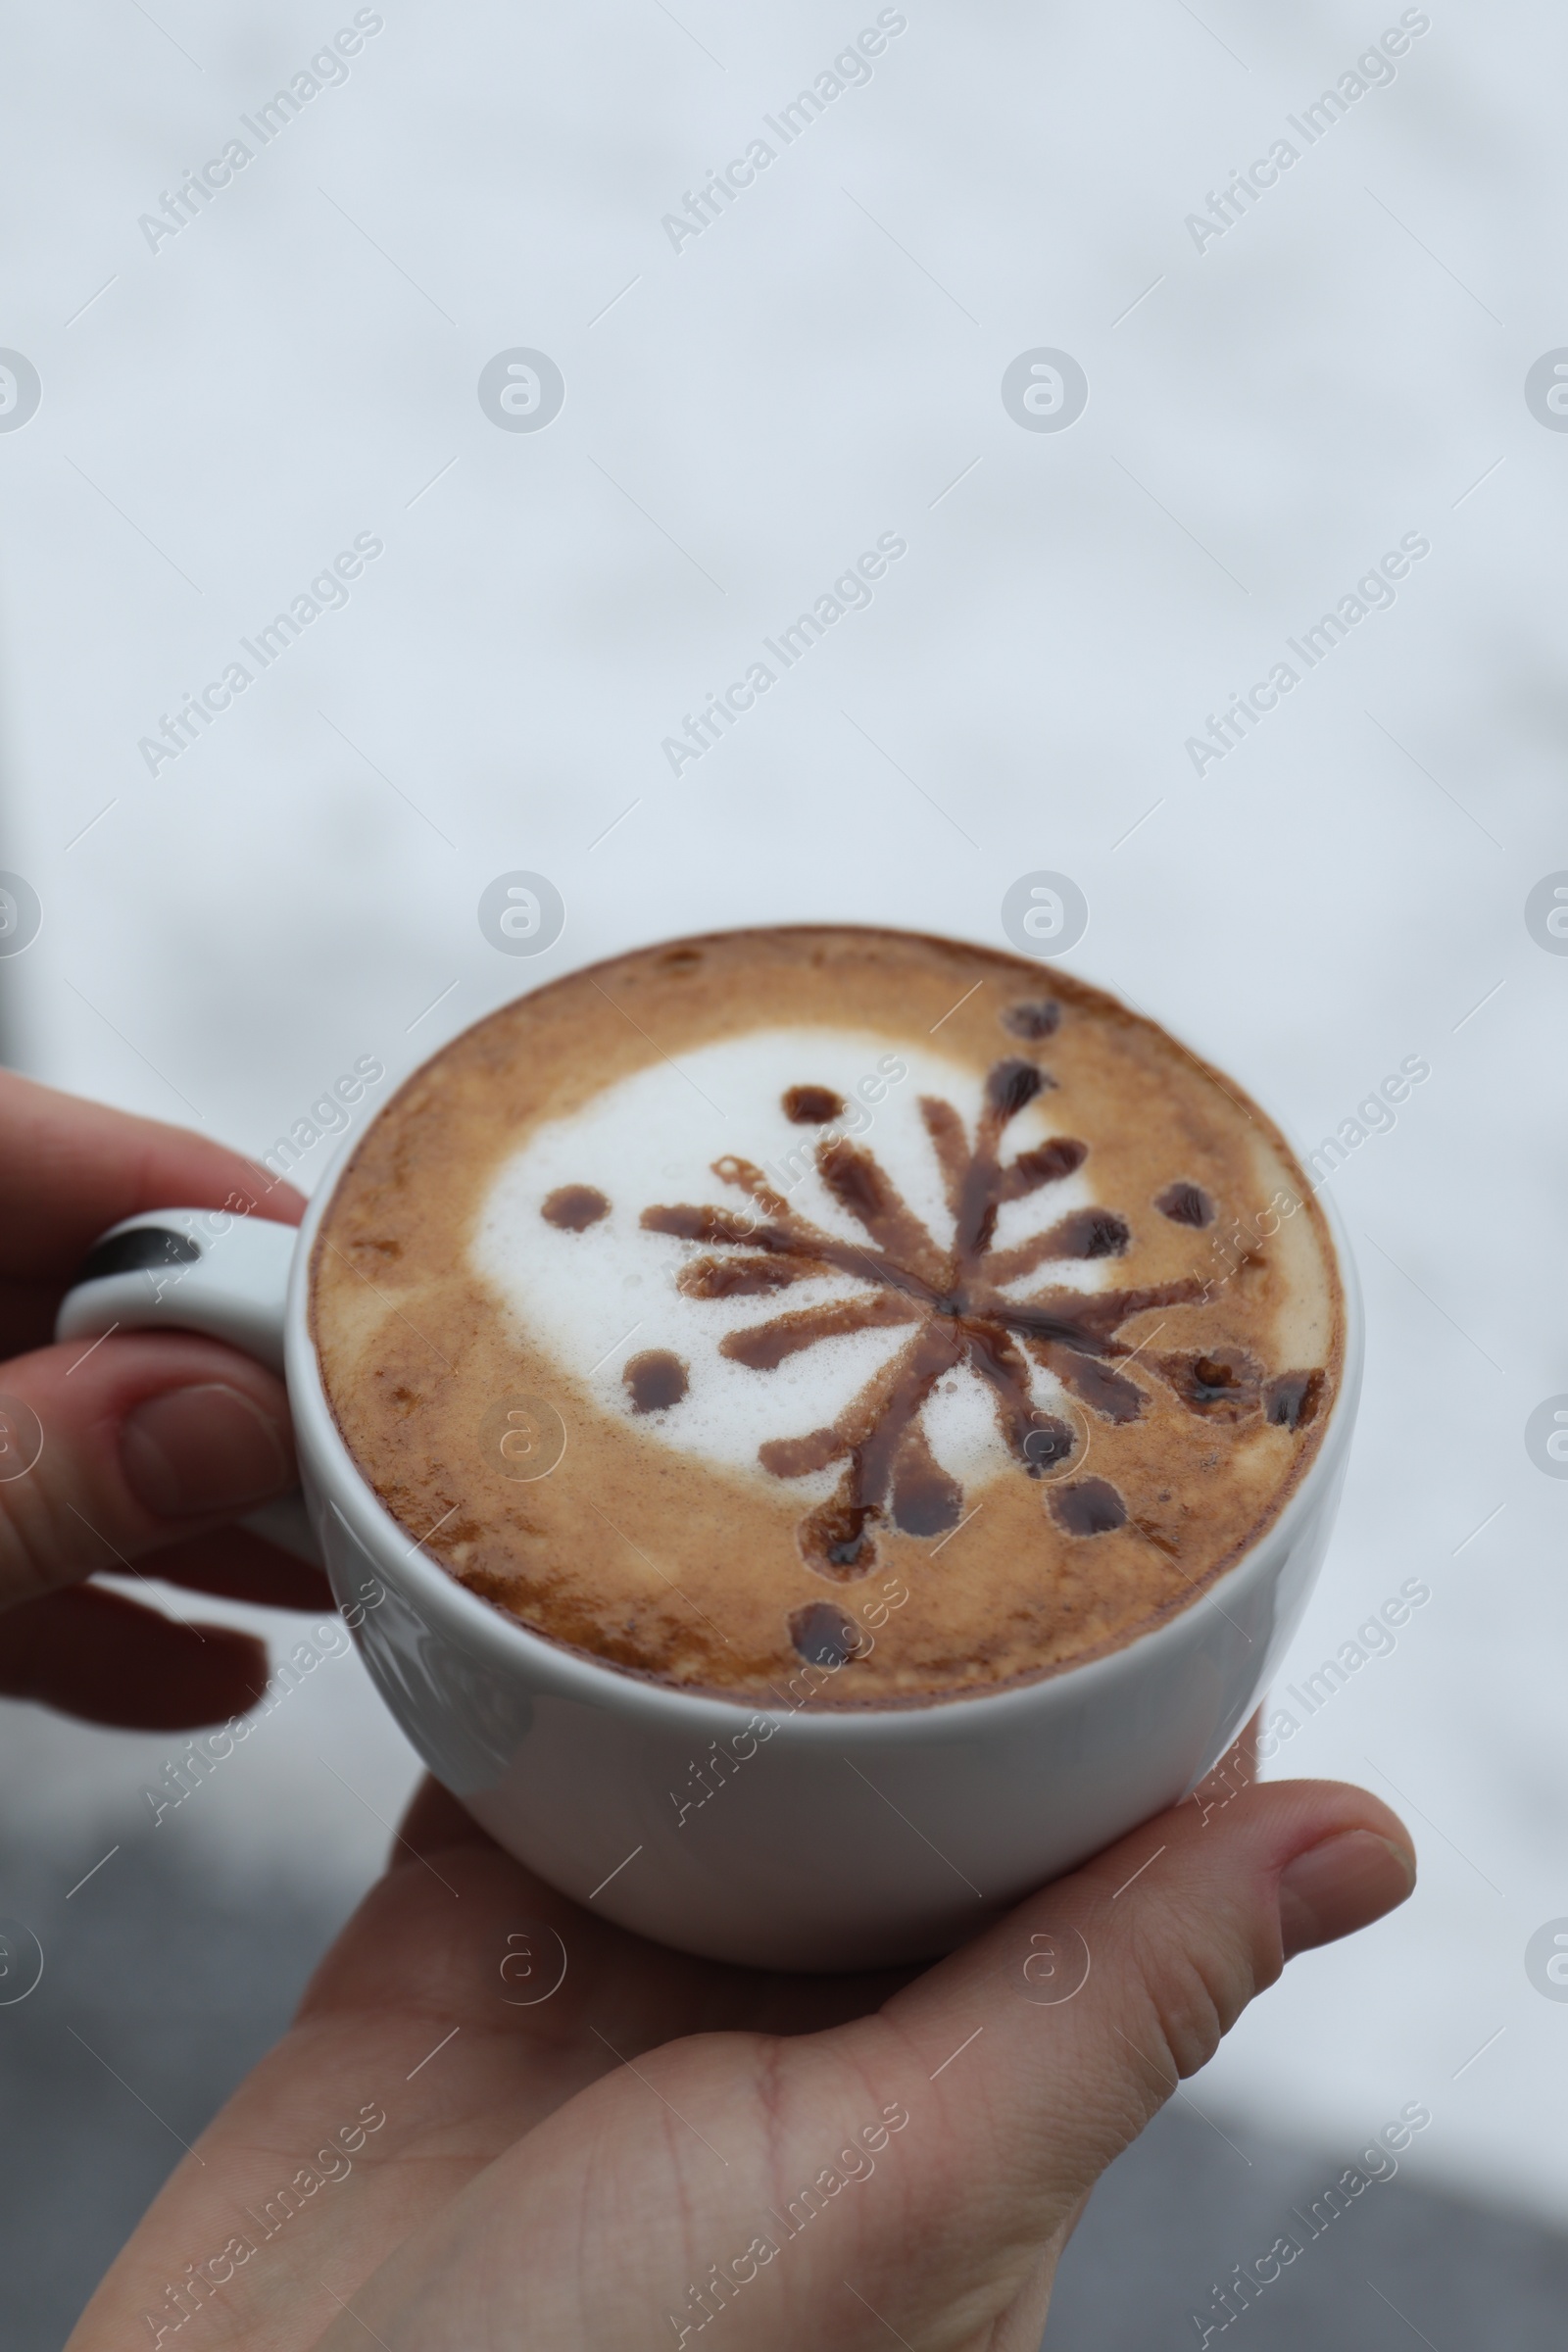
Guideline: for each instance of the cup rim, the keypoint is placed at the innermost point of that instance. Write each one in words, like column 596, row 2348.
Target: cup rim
column 546, row 1664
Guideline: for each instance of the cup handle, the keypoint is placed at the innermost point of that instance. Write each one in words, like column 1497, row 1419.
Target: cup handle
column 197, row 1269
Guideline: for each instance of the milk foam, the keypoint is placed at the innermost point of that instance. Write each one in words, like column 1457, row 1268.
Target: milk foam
column 596, row 1298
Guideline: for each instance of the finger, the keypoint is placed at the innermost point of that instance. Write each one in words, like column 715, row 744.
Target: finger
column 1032, row 2058
column 72, row 1167
column 237, row 1565
column 93, row 1654
column 148, row 1438
column 63, row 1657
column 27, row 1311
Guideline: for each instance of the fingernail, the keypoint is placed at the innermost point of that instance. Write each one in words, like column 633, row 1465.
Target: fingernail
column 203, row 1449
column 1340, row 1886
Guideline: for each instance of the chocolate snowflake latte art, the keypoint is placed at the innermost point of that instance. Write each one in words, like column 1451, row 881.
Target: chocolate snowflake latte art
column 827, row 1317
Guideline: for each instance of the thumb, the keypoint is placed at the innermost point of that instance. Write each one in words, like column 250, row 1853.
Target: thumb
column 117, row 1451
column 1037, row 2054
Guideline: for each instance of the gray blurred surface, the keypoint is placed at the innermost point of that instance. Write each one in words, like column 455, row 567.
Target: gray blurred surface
column 1400, row 2267
column 174, row 1969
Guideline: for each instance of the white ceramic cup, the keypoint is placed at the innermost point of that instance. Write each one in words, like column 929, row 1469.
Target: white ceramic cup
column 829, row 1838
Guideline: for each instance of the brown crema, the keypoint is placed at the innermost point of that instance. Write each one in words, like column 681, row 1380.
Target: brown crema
column 1150, row 1414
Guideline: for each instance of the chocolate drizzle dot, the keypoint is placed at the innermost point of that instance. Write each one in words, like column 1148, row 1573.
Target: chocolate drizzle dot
column 1186, row 1205
column 825, row 1634
column 1223, row 1384
column 655, row 1381
column 570, row 1208
column 812, row 1106
column 1292, row 1400
column 1090, row 1506
column 1014, row 1084
column 1037, row 1020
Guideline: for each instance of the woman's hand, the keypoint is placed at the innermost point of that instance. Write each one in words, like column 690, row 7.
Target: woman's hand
column 452, row 2151
column 152, row 1441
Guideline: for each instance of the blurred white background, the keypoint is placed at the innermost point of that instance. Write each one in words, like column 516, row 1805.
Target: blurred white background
column 822, row 363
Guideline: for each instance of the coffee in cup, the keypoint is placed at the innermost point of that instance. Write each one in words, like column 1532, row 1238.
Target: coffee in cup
column 831, row 1310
